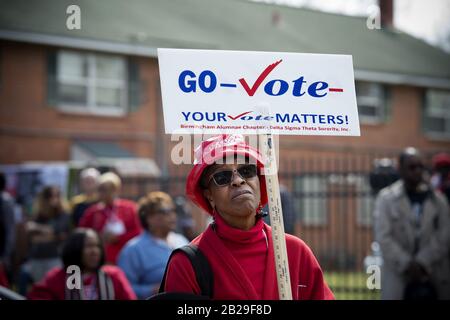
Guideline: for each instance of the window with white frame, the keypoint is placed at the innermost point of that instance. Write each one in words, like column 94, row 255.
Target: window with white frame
column 355, row 187
column 310, row 200
column 371, row 100
column 436, row 115
column 365, row 200
column 91, row 82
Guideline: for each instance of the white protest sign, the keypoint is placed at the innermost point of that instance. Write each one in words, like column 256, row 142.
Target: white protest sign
column 214, row 91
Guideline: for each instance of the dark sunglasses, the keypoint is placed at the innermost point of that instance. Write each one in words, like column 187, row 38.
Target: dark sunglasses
column 224, row 177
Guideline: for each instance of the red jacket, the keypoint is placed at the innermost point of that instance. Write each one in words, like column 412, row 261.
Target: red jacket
column 243, row 265
column 96, row 217
column 53, row 286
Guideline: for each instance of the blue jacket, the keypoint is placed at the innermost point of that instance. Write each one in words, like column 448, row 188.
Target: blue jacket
column 144, row 260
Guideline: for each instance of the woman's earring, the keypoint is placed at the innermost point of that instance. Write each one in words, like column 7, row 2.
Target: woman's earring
column 260, row 212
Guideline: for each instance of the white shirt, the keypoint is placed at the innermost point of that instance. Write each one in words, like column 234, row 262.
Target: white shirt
column 176, row 240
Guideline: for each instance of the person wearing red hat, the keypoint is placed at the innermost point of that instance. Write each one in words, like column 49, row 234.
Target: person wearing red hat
column 238, row 244
column 441, row 177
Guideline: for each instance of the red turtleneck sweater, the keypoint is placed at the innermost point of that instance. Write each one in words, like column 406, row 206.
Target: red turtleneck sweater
column 243, row 265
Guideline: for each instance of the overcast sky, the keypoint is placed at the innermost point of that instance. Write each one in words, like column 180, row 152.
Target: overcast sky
column 428, row 20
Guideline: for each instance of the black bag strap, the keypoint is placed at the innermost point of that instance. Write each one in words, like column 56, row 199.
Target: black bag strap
column 201, row 268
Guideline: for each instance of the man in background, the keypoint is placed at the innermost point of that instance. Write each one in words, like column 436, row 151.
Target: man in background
column 412, row 227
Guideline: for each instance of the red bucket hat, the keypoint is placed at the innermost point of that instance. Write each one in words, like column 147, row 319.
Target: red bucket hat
column 212, row 150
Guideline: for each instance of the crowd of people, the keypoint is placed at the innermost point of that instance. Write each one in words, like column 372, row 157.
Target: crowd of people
column 121, row 247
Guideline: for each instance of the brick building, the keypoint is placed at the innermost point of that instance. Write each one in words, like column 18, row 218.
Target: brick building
column 65, row 93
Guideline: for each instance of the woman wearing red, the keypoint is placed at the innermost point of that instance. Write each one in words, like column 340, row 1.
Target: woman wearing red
column 115, row 219
column 97, row 281
column 238, row 244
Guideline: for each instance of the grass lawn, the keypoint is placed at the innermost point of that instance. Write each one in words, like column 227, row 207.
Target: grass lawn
column 351, row 286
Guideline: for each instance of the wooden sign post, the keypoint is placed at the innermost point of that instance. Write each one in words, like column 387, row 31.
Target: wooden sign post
column 276, row 217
